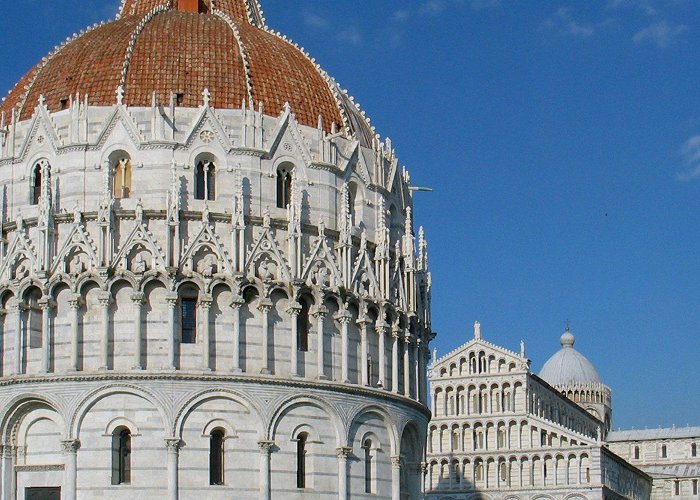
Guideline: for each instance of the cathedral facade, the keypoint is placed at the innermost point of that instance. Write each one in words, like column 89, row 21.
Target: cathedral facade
column 210, row 282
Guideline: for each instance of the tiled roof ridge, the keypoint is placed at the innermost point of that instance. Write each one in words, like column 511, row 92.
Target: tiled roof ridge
column 244, row 53
column 19, row 107
column 335, row 89
column 134, row 37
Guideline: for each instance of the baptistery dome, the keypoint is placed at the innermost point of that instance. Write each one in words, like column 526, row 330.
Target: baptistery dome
column 210, row 282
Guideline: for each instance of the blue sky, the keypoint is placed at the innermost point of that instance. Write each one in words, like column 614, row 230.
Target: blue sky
column 562, row 139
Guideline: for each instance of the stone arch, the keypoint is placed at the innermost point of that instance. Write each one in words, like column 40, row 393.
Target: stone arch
column 197, row 399
column 18, row 406
column 293, row 401
column 390, row 423
column 157, row 277
column 92, row 398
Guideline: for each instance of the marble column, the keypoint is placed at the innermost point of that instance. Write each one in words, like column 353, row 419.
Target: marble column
column 18, row 310
column 70, row 471
column 173, row 447
column 236, row 305
column 418, row 362
column 105, row 300
column 344, row 318
column 45, row 303
column 265, row 306
column 8, row 472
column 293, row 310
column 75, row 302
column 3, row 368
column 171, row 299
column 395, row 361
column 205, row 303
column 395, row 478
column 363, row 322
column 343, row 453
column 407, row 365
column 320, row 314
column 138, row 299
column 265, row 451
column 382, row 329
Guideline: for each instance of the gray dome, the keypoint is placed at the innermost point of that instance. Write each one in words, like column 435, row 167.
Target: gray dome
column 568, row 367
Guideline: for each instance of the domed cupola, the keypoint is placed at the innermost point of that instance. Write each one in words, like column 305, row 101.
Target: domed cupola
column 571, row 373
column 170, row 50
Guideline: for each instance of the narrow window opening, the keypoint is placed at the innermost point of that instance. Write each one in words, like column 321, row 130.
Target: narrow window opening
column 216, row 457
column 40, row 169
column 122, row 178
column 205, row 181
column 121, row 456
column 693, row 450
column 301, row 460
column 303, row 325
column 663, row 451
column 695, row 486
column 284, row 185
column 636, row 452
column 676, row 487
column 368, row 466
column 189, row 320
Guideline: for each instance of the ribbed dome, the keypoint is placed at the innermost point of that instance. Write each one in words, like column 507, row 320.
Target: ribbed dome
column 160, row 46
column 568, row 367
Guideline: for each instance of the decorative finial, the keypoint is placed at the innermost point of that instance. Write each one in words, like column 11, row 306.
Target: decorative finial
column 522, row 348
column 477, row 330
column 42, row 100
column 120, row 95
column 206, row 95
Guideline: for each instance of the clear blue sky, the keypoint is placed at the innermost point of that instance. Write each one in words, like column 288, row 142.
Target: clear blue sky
column 562, row 139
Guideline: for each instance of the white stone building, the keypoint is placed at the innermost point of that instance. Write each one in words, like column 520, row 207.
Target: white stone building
column 209, row 279
column 500, row 432
column 671, row 456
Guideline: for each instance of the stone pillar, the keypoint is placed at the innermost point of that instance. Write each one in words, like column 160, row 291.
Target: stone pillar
column 424, row 477
column 382, row 328
column 105, row 299
column 70, row 472
column 294, row 309
column 395, row 361
column 343, row 453
column 265, row 307
column 138, row 299
column 173, row 446
column 236, row 304
column 320, row 313
column 344, row 318
column 8, row 472
column 362, row 323
column 45, row 303
column 418, row 358
column 407, row 365
column 265, row 450
column 396, row 478
column 3, row 369
column 171, row 299
column 74, row 301
column 17, row 310
column 205, row 306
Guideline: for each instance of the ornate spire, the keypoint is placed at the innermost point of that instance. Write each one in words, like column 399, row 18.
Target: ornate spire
column 344, row 217
column 294, row 207
column 174, row 195
column 237, row 213
column 382, row 251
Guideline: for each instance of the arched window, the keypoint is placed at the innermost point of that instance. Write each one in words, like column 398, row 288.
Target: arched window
column 216, row 457
column 693, row 450
column 122, row 178
column 636, row 452
column 205, row 181
column 663, row 451
column 369, row 466
column 40, row 169
column 284, row 185
column 301, row 459
column 479, row 471
column 121, row 456
column 188, row 316
column 303, row 325
column 352, row 201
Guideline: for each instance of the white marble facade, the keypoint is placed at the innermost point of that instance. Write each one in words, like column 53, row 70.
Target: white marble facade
column 127, row 303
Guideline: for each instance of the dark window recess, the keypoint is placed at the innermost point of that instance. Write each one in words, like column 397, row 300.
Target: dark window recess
column 216, row 457
column 189, row 321
column 301, row 460
column 303, row 325
column 121, row 456
column 43, row 493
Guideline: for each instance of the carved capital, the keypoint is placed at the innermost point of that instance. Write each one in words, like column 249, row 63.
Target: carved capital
column 236, row 302
column 171, row 298
column 343, row 452
column 105, row 299
column 343, row 317
column 265, row 305
column 173, row 444
column 363, row 321
column 265, row 447
column 70, row 445
column 320, row 311
column 396, row 461
column 138, row 298
column 294, row 309
column 75, row 301
column 205, row 302
column 382, row 327
column 46, row 303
